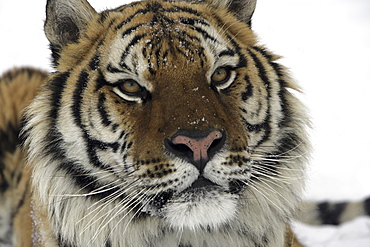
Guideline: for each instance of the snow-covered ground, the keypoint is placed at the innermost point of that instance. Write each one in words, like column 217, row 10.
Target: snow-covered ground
column 326, row 43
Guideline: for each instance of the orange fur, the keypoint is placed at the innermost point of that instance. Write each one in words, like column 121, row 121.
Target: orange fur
column 17, row 88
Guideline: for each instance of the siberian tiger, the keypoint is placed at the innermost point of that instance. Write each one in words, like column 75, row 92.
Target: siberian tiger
column 165, row 123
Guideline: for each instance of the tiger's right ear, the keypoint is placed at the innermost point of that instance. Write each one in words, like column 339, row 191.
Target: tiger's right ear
column 65, row 21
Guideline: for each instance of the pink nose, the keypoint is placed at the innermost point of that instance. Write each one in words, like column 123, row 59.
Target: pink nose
column 199, row 147
column 196, row 147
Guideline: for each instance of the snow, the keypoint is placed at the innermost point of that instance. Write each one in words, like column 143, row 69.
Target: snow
column 325, row 43
column 355, row 234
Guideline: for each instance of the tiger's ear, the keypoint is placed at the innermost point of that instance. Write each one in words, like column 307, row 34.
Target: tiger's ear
column 65, row 21
column 243, row 9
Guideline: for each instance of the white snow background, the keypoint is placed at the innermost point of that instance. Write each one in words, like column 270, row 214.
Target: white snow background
column 325, row 43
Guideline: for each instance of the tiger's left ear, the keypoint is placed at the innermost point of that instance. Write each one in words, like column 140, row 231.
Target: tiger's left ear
column 243, row 9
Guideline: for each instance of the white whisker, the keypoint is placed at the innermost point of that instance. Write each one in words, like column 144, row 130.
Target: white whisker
column 266, row 197
column 270, row 188
column 102, row 206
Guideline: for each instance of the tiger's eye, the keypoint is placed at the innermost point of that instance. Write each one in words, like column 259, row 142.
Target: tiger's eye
column 220, row 75
column 130, row 87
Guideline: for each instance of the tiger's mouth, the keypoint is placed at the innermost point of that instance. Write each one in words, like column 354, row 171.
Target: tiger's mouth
column 201, row 182
column 200, row 186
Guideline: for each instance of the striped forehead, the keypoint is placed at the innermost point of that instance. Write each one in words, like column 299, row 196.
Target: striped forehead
column 161, row 31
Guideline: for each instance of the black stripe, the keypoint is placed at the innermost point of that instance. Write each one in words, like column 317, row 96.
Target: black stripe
column 4, row 184
column 91, row 145
column 95, row 62
column 242, row 59
column 158, row 55
column 129, row 145
column 291, row 140
column 115, row 127
column 192, row 21
column 255, row 127
column 63, row 243
column 330, row 213
column 130, row 30
column 263, row 75
column 205, row 34
column 10, row 75
column 54, row 138
column 79, row 175
column 154, row 7
column 8, row 143
column 82, row 179
column 101, row 109
column 182, row 35
column 57, row 85
column 264, row 52
column 144, row 52
column 286, row 108
column 21, row 202
column 108, row 243
column 53, row 144
column 133, row 42
column 128, row 19
column 124, row 65
column 184, row 53
column 178, row 9
column 103, row 16
column 78, row 96
column 248, row 89
column 103, row 145
column 91, row 148
column 124, row 145
column 55, row 54
column 261, row 69
column 112, row 69
column 123, row 133
column 227, row 53
column 251, row 127
column 100, row 82
column 367, row 206
column 161, row 19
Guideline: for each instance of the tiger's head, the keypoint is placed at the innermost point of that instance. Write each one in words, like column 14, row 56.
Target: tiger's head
column 165, row 111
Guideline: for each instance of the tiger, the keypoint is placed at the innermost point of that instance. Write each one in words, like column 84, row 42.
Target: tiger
column 17, row 88
column 164, row 123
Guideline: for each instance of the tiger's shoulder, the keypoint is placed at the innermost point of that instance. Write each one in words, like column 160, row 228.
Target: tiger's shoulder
column 17, row 88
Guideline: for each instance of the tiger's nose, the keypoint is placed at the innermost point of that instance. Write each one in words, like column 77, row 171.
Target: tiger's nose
column 198, row 147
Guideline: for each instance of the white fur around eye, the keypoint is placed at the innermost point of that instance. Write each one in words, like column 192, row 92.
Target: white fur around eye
column 127, row 97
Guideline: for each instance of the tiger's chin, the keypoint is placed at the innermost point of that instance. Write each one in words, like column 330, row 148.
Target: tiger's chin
column 201, row 208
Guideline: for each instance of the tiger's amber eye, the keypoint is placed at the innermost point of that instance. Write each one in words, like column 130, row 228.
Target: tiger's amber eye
column 221, row 75
column 130, row 87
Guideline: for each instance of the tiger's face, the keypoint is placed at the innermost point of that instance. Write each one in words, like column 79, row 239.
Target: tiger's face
column 163, row 102
column 171, row 110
